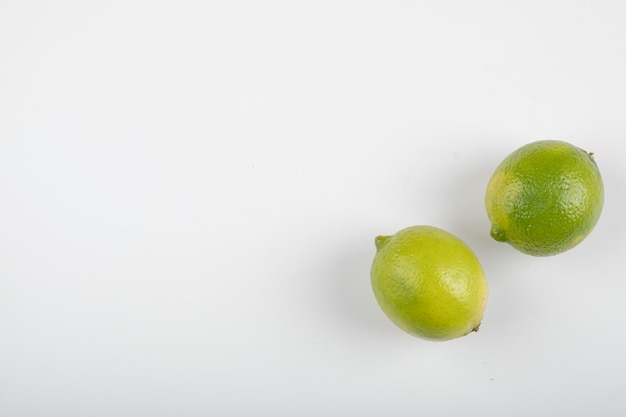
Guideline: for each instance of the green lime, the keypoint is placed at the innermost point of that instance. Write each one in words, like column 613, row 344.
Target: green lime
column 429, row 283
column 545, row 197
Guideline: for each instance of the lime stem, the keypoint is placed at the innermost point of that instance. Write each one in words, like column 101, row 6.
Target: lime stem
column 497, row 234
column 379, row 241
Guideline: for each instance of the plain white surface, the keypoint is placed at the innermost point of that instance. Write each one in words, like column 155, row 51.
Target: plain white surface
column 190, row 193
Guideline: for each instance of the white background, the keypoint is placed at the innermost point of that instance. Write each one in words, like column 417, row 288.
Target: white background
column 190, row 191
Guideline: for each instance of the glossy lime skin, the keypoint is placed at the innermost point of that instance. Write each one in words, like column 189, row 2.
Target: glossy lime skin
column 545, row 198
column 429, row 283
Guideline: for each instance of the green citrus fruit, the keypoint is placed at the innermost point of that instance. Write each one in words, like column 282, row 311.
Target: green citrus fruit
column 429, row 283
column 545, row 197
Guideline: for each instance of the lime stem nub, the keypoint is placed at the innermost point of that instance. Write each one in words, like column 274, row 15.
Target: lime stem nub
column 497, row 234
column 380, row 241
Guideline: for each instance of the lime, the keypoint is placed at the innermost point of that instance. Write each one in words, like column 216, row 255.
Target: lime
column 545, row 197
column 429, row 283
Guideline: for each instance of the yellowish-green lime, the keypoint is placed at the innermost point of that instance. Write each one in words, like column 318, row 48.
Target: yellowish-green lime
column 429, row 283
column 545, row 197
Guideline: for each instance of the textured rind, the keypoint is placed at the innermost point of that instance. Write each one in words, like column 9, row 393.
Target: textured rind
column 545, row 198
column 429, row 283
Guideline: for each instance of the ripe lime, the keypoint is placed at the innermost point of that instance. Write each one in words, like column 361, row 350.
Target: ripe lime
column 429, row 283
column 545, row 197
